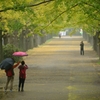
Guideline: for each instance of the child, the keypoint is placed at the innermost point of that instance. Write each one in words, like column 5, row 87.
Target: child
column 22, row 75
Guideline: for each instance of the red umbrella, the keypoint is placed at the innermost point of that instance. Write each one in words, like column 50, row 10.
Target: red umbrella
column 20, row 53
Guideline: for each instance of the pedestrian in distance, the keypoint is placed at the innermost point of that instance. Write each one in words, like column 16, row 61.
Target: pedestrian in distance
column 82, row 48
column 10, row 76
column 22, row 75
column 59, row 35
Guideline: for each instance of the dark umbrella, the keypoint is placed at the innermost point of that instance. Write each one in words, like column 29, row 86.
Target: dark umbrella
column 7, row 63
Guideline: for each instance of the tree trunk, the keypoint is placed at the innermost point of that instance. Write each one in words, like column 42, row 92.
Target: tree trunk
column 1, row 55
column 5, row 38
column 35, row 40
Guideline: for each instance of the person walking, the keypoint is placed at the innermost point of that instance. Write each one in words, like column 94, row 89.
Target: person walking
column 82, row 48
column 10, row 76
column 59, row 35
column 22, row 75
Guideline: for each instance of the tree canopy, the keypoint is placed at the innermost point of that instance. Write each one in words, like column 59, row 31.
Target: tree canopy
column 49, row 15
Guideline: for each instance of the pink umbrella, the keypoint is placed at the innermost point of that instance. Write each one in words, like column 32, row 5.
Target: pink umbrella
column 20, row 53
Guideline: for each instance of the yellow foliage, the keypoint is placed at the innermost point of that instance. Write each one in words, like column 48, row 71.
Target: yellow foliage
column 47, row 14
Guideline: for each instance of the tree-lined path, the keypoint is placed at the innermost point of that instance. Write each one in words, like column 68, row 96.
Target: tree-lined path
column 57, row 71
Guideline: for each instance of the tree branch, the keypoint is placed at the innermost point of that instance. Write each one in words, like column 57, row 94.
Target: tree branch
column 33, row 5
column 60, row 15
column 45, row 1
column 91, row 6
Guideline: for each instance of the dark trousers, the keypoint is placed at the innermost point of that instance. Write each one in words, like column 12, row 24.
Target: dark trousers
column 82, row 52
column 21, row 83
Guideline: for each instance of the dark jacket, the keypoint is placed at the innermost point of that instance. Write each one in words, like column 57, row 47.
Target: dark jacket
column 81, row 45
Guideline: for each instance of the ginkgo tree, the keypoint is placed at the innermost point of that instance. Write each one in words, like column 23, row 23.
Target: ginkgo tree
column 48, row 15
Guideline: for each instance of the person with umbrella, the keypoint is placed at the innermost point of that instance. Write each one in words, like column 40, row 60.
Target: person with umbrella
column 22, row 70
column 10, row 76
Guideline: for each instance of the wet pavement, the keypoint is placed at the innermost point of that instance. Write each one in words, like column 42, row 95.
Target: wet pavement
column 57, row 71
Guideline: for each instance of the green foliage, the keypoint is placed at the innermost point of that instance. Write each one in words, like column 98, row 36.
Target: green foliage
column 8, row 50
column 15, row 25
column 50, row 14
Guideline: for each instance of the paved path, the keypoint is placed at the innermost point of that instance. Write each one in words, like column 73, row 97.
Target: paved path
column 57, row 71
